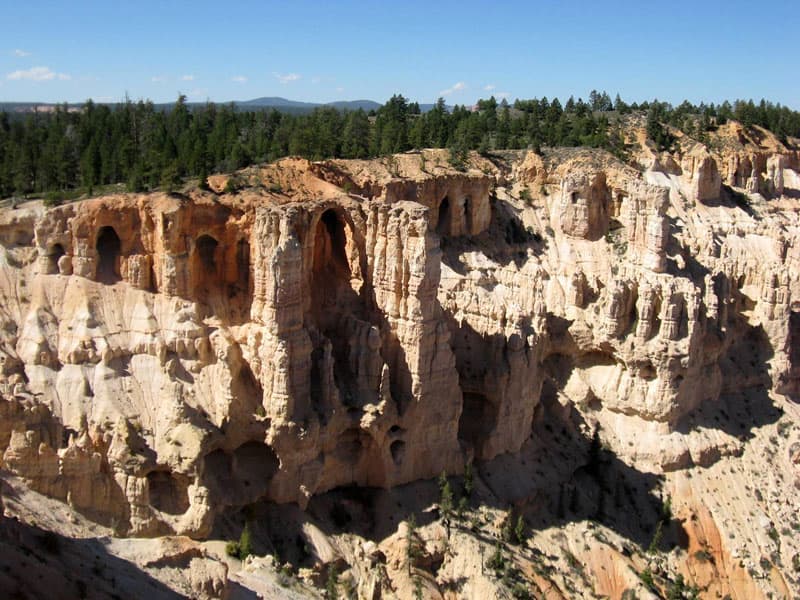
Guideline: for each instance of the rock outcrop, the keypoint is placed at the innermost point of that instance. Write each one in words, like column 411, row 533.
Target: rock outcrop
column 166, row 357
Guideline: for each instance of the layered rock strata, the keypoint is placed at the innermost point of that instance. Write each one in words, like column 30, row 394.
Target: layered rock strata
column 164, row 357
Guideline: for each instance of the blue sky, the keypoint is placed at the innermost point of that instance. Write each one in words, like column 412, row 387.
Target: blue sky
column 324, row 51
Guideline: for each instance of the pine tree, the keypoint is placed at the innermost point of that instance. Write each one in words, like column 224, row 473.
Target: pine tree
column 469, row 480
column 445, row 497
column 413, row 550
column 332, row 584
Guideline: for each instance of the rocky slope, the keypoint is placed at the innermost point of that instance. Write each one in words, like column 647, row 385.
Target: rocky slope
column 612, row 346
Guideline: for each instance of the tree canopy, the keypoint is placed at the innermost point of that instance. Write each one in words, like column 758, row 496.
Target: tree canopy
column 138, row 144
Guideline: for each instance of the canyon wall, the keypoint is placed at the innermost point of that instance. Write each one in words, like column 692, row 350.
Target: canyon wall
column 163, row 357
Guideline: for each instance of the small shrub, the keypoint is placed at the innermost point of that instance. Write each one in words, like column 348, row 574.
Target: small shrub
column 647, row 578
column 520, row 592
column 245, row 542
column 244, row 547
column 703, row 556
column 679, row 590
column 773, row 534
column 573, row 561
column 445, row 497
column 413, row 546
column 232, row 549
column 507, row 529
column 332, row 584
column 497, row 561
column 469, row 481
column 418, row 593
column 655, row 543
column 231, row 186
column 463, row 507
column 52, row 199
column 519, row 530
column 458, row 159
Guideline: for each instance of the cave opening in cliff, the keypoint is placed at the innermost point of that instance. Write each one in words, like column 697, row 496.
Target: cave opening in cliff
column 243, row 264
column 335, row 289
column 243, row 475
column 255, row 464
column 443, row 224
column 350, row 446
column 108, row 252
column 398, row 451
column 218, row 474
column 332, row 291
column 478, row 419
column 205, row 269
column 206, row 248
column 168, row 492
column 53, row 256
column 792, row 388
column 467, row 216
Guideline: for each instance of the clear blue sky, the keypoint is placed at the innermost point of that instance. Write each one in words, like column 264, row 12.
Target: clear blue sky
column 324, row 51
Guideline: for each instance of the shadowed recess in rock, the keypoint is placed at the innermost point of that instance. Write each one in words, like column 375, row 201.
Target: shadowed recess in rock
column 444, row 223
column 205, row 267
column 242, row 476
column 791, row 384
column 108, row 255
column 55, row 253
column 338, row 310
column 506, row 240
column 168, row 492
column 744, row 403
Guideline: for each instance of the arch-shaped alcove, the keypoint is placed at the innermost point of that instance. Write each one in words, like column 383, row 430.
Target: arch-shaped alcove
column 205, row 266
column 169, row 492
column 241, row 476
column 330, row 245
column 478, row 420
column 243, row 263
column 468, row 208
column 206, row 247
column 54, row 254
column 337, row 306
column 336, row 277
column 398, row 451
column 444, row 222
column 255, row 464
column 109, row 248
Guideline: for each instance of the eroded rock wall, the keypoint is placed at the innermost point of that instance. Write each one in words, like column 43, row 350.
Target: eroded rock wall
column 165, row 357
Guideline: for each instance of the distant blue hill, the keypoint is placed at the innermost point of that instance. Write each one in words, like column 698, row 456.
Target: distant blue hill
column 265, row 103
column 277, row 102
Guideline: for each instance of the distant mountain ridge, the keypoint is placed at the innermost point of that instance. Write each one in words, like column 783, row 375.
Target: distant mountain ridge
column 278, row 102
column 263, row 103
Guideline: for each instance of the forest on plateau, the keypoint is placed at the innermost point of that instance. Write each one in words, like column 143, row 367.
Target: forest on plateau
column 65, row 153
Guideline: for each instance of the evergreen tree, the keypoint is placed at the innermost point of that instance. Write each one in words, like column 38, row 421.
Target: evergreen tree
column 469, row 480
column 413, row 549
column 445, row 497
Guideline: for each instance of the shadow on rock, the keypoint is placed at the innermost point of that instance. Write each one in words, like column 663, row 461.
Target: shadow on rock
column 506, row 240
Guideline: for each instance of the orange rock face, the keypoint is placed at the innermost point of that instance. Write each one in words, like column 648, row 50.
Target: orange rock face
column 372, row 323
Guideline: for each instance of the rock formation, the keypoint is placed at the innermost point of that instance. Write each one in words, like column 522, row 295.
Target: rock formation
column 165, row 358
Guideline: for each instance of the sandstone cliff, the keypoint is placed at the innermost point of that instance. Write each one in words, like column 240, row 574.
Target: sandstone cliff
column 165, row 359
